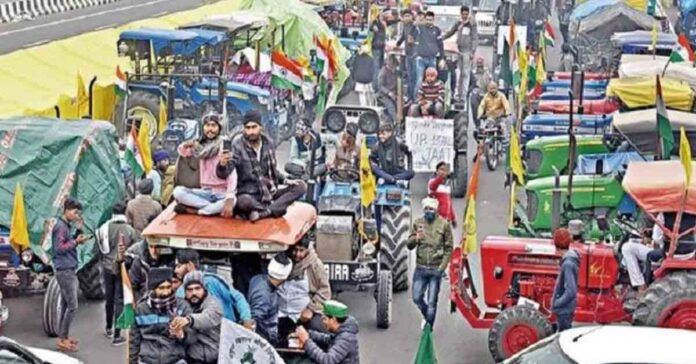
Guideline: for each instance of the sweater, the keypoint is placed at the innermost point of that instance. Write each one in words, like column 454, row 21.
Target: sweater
column 441, row 191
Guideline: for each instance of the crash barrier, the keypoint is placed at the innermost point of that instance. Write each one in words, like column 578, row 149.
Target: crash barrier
column 29, row 9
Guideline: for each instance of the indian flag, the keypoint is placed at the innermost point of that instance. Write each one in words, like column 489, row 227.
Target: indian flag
column 665, row 138
column 326, row 57
column 683, row 52
column 514, row 65
column 120, row 86
column 127, row 317
column 549, row 34
column 287, row 74
column 138, row 150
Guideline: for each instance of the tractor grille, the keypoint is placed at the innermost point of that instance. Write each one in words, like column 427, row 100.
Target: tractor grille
column 534, row 159
column 532, row 205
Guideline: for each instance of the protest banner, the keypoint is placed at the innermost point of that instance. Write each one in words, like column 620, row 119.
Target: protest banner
column 430, row 141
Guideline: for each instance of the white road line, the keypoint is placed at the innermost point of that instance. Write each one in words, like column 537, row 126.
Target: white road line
column 36, row 43
column 82, row 17
column 104, row 27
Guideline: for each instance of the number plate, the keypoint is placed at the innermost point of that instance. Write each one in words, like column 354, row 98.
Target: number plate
column 523, row 301
column 351, row 272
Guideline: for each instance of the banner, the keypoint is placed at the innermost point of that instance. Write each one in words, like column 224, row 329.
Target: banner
column 239, row 345
column 430, row 141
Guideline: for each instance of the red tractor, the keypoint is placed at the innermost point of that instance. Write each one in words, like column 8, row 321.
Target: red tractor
column 519, row 274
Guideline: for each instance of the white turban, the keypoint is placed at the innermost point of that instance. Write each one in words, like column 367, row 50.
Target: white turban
column 279, row 271
column 430, row 202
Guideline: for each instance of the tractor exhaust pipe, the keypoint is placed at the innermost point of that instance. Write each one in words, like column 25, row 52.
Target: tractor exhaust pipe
column 556, row 201
column 91, row 97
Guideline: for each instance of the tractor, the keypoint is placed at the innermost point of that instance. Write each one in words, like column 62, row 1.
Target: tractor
column 519, row 274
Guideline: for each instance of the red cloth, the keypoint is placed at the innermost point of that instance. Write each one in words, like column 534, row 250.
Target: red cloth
column 441, row 191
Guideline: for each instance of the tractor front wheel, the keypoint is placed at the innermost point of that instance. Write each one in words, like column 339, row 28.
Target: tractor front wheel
column 461, row 175
column 396, row 223
column 669, row 302
column 516, row 328
column 384, row 299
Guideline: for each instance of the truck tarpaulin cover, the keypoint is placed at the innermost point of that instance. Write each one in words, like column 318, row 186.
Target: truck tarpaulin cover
column 659, row 186
column 640, row 126
column 52, row 160
column 638, row 92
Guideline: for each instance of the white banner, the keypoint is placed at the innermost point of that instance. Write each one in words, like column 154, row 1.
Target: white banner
column 430, row 141
column 241, row 346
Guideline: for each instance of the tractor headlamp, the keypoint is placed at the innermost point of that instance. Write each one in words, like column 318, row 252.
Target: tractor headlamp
column 335, row 121
column 369, row 249
column 27, row 255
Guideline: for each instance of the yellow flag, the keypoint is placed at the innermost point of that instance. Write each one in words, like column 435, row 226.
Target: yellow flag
column 368, row 187
column 540, row 70
column 685, row 155
column 144, row 146
column 82, row 96
column 19, row 232
column 471, row 241
column 163, row 118
column 523, row 62
column 654, row 37
column 516, row 157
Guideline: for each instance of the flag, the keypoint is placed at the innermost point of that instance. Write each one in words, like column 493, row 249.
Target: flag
column 287, row 74
column 120, row 85
column 686, row 47
column 654, row 37
column 368, row 188
column 549, row 35
column 82, row 96
column 505, row 70
column 516, row 157
column 163, row 118
column 426, row 348
column 126, row 319
column 322, row 97
column 326, row 57
column 469, row 240
column 237, row 345
column 685, row 155
column 19, row 232
column 138, row 150
column 523, row 63
column 665, row 138
column 514, row 51
column 677, row 56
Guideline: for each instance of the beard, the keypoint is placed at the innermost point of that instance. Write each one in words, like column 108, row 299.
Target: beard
column 252, row 138
column 196, row 301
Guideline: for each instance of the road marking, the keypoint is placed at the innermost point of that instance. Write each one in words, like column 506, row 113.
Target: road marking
column 104, row 27
column 82, row 17
column 36, row 43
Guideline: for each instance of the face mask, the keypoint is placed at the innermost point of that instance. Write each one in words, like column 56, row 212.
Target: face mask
column 429, row 216
column 494, row 93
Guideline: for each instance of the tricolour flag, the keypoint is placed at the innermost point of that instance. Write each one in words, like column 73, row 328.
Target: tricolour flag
column 127, row 317
column 505, row 70
column 469, row 240
column 326, row 57
column 120, row 86
column 514, row 51
column 426, row 348
column 163, row 117
column 549, row 34
column 682, row 52
column 686, row 46
column 685, row 155
column 665, row 139
column 138, row 150
column 19, row 231
column 368, row 187
column 287, row 74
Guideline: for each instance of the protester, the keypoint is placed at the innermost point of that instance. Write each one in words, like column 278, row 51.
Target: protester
column 379, row 41
column 406, row 37
column 467, row 41
column 428, row 41
column 216, row 195
column 431, row 236
column 388, row 157
column 162, row 182
column 347, row 151
column 142, row 206
column 259, row 191
column 439, row 189
column 363, row 68
column 387, row 90
column 481, row 75
column 109, row 236
column 235, row 307
column 431, row 97
column 306, row 142
column 65, row 238
column 152, row 340
column 148, row 258
column 204, row 322
column 309, row 271
column 635, row 252
column 566, row 289
column 263, row 297
column 340, row 345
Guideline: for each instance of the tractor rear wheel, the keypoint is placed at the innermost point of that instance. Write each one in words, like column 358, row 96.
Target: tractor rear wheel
column 52, row 307
column 669, row 302
column 90, row 278
column 461, row 129
column 384, row 299
column 516, row 328
column 396, row 223
column 461, row 175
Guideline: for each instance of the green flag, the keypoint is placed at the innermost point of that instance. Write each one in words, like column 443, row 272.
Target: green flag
column 505, row 71
column 664, row 127
column 426, row 348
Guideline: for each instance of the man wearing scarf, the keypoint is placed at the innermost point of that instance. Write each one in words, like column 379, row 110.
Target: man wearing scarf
column 262, row 191
column 216, row 195
column 154, row 338
column 388, row 157
column 307, row 271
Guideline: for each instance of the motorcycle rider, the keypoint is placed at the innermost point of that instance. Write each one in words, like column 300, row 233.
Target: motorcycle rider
column 495, row 106
column 467, row 41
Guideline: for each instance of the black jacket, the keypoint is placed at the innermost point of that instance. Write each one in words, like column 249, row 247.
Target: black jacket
column 140, row 269
column 379, row 35
column 391, row 156
column 428, row 41
column 150, row 341
column 406, row 32
column 247, row 179
column 363, row 67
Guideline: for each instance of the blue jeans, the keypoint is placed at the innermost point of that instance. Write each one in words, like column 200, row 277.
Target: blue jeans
column 411, row 77
column 426, row 281
column 206, row 201
column 378, row 57
column 564, row 321
column 399, row 176
column 421, row 64
column 389, row 106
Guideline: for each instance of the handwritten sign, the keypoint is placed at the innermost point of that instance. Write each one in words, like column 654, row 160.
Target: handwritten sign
column 430, row 141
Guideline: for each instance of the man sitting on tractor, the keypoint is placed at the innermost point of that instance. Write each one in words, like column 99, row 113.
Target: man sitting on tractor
column 216, row 195
column 305, row 142
column 388, row 157
column 495, row 106
column 431, row 96
column 309, row 269
column 565, row 293
column 262, row 190
column 347, row 151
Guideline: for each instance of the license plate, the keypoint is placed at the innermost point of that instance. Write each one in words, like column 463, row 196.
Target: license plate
column 351, row 272
column 523, row 301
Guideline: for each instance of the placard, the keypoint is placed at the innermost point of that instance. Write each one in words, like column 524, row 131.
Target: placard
column 239, row 345
column 431, row 141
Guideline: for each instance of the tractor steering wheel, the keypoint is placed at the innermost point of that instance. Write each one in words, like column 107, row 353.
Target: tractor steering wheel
column 344, row 175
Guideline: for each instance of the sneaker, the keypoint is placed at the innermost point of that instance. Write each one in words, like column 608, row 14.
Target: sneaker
column 109, row 333
column 118, row 341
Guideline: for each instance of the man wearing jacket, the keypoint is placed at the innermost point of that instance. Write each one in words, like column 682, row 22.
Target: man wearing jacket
column 431, row 236
column 428, row 43
column 65, row 239
column 379, row 41
column 204, row 322
column 340, row 345
column 407, row 26
column 565, row 293
column 467, row 41
column 153, row 340
column 387, row 91
column 260, row 190
column 139, row 209
column 114, row 232
column 216, row 195
column 308, row 267
column 439, row 189
column 263, row 297
column 388, row 158
column 234, row 306
column 148, row 258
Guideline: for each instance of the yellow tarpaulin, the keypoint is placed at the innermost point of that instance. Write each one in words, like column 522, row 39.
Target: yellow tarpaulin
column 638, row 92
column 34, row 80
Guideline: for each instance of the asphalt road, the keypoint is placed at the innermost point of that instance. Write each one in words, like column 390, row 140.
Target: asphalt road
column 42, row 30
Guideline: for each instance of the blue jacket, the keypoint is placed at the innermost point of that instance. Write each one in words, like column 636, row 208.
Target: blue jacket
column 565, row 294
column 64, row 246
column 234, row 306
column 264, row 307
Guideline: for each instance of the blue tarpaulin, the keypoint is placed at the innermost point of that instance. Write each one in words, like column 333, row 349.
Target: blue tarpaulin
column 181, row 41
column 611, row 162
column 587, row 8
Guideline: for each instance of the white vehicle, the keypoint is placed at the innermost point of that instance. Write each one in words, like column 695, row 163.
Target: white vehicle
column 12, row 352
column 611, row 344
column 485, row 20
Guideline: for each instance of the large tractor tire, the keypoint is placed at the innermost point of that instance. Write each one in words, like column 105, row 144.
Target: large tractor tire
column 461, row 130
column 669, row 302
column 396, row 224
column 461, row 175
column 90, row 277
column 144, row 104
column 52, row 307
column 514, row 329
column 384, row 299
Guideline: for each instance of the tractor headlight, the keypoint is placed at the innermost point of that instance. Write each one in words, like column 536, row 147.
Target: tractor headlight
column 335, row 121
column 368, row 122
column 27, row 256
column 369, row 249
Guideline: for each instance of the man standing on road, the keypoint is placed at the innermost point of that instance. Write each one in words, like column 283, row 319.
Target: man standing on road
column 109, row 236
column 467, row 41
column 143, row 206
column 566, row 289
column 439, row 189
column 428, row 42
column 409, row 51
column 65, row 242
column 340, row 345
column 379, row 41
column 431, row 236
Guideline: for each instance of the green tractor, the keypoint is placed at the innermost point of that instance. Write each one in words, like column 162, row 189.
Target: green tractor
column 542, row 155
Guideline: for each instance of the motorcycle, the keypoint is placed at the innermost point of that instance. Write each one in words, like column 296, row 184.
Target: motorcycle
column 491, row 134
